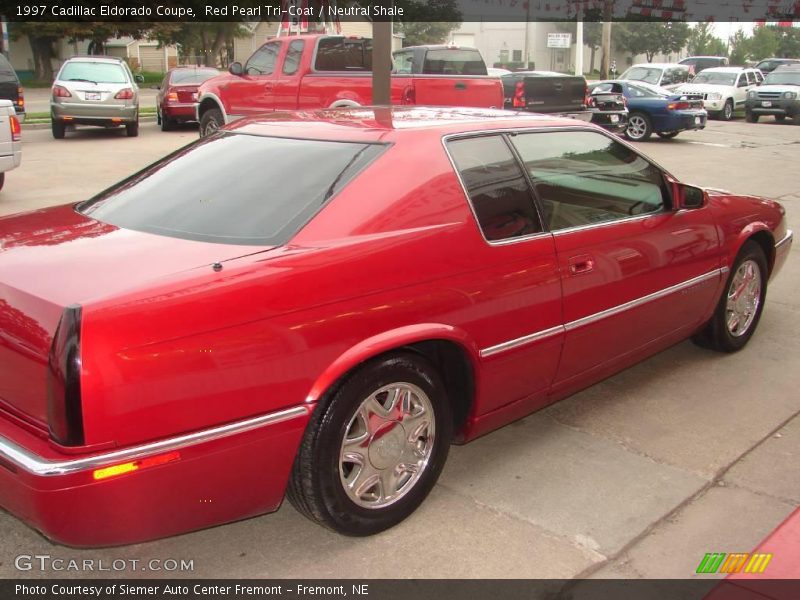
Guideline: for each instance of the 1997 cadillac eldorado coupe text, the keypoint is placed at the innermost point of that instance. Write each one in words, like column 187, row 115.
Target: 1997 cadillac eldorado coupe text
column 318, row 304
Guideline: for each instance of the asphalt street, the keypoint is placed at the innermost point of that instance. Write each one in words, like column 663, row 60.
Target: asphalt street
column 686, row 453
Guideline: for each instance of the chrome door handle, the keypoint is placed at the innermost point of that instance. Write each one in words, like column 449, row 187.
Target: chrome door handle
column 580, row 264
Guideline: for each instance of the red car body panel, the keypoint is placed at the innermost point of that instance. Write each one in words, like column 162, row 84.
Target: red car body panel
column 247, row 95
column 171, row 347
column 176, row 100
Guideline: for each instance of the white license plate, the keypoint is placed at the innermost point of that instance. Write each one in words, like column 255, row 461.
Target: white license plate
column 698, row 120
column 93, row 95
column 615, row 118
column 766, row 103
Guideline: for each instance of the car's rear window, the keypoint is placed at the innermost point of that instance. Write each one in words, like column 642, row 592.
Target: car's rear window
column 453, row 61
column 7, row 73
column 233, row 188
column 97, row 72
column 190, row 76
column 344, row 54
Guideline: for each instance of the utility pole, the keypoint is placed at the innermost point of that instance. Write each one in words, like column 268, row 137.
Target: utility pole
column 605, row 38
column 527, row 29
column 579, row 46
column 381, row 62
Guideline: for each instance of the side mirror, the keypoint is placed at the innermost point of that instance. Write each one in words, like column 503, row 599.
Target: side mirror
column 236, row 68
column 138, row 78
column 688, row 196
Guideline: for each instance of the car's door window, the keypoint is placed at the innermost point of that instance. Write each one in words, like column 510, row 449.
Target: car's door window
column 751, row 78
column 263, row 61
column 403, row 62
column 742, row 82
column 293, row 55
column 583, row 178
column 759, row 77
column 496, row 187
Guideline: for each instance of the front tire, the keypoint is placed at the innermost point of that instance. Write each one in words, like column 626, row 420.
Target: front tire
column 726, row 114
column 640, row 128
column 739, row 309
column 211, row 121
column 374, row 447
column 751, row 117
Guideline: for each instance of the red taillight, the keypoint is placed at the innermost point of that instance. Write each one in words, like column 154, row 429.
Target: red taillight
column 678, row 105
column 126, row 94
column 172, row 97
column 519, row 95
column 16, row 130
column 587, row 100
column 64, row 410
column 20, row 97
column 409, row 96
column 61, row 92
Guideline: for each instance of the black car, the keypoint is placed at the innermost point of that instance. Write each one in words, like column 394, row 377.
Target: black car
column 768, row 65
column 10, row 89
column 609, row 110
column 698, row 63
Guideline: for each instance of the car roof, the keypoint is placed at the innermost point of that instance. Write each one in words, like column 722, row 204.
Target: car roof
column 791, row 60
column 788, row 68
column 703, row 56
column 388, row 124
column 95, row 58
column 658, row 65
column 727, row 69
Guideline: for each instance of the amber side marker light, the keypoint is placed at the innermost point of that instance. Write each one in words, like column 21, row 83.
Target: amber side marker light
column 136, row 465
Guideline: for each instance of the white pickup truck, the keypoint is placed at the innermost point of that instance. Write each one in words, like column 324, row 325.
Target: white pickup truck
column 10, row 139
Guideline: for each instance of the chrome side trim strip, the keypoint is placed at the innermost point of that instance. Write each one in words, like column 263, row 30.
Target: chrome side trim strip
column 546, row 333
column 37, row 465
column 786, row 239
column 615, row 310
column 527, row 339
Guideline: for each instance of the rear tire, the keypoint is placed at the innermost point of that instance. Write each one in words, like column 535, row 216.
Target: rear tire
column 667, row 135
column 640, row 128
column 2, row 180
column 751, row 117
column 58, row 128
column 211, row 121
column 374, row 446
column 132, row 129
column 167, row 124
column 741, row 304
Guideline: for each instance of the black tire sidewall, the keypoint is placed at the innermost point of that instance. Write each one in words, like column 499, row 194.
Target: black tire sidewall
column 214, row 114
column 342, row 513
column 722, row 337
column 728, row 104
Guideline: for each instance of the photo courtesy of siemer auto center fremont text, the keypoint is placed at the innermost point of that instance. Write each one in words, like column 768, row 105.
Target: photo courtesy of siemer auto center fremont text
column 400, row 299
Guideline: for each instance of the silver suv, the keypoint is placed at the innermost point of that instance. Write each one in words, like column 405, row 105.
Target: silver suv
column 95, row 90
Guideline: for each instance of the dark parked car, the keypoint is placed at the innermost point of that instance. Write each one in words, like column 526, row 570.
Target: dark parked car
column 652, row 109
column 609, row 109
column 546, row 92
column 177, row 95
column 698, row 63
column 10, row 88
column 768, row 65
column 778, row 96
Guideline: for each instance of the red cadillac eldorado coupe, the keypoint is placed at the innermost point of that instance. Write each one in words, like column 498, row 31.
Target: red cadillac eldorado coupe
column 317, row 304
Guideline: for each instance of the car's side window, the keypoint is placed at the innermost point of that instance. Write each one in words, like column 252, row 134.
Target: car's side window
column 751, row 77
column 263, row 61
column 583, row 178
column 742, row 80
column 293, row 55
column 496, row 186
column 403, row 62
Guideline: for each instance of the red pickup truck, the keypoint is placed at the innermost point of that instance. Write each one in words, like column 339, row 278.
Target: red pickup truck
column 330, row 71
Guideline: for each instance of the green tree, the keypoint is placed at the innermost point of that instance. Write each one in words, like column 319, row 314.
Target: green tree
column 763, row 43
column 206, row 40
column 738, row 48
column 701, row 38
column 650, row 38
column 672, row 36
column 417, row 33
column 788, row 41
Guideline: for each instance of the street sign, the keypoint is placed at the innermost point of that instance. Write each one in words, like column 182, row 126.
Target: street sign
column 559, row 40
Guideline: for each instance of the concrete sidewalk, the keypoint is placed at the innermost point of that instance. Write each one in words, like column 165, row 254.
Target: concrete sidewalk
column 639, row 476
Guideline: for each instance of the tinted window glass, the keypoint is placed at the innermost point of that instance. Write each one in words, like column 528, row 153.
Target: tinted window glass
column 453, row 61
column 190, row 76
column 6, row 71
column 99, row 72
column 496, row 187
column 583, row 178
column 715, row 78
column 342, row 54
column 233, row 189
column 292, row 61
column 263, row 61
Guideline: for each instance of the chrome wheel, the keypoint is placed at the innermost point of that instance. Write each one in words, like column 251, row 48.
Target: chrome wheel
column 387, row 445
column 211, row 125
column 727, row 112
column 637, row 127
column 744, row 298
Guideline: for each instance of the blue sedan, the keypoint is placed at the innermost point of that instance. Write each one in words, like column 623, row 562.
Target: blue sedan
column 652, row 109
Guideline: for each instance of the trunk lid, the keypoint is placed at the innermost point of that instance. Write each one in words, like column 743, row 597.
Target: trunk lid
column 186, row 93
column 547, row 93
column 55, row 257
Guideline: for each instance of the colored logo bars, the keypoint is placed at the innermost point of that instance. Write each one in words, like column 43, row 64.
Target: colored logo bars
column 720, row 562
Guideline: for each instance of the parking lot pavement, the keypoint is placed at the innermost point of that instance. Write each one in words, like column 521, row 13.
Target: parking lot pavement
column 639, row 476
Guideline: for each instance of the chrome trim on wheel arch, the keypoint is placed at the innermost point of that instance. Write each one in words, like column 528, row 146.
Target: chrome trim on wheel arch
column 32, row 463
column 546, row 333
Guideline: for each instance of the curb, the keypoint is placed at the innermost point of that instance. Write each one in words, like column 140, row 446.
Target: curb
column 46, row 124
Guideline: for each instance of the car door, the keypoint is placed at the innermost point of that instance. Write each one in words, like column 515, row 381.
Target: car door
column 287, row 79
column 515, row 294
column 252, row 92
column 633, row 270
column 740, row 90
